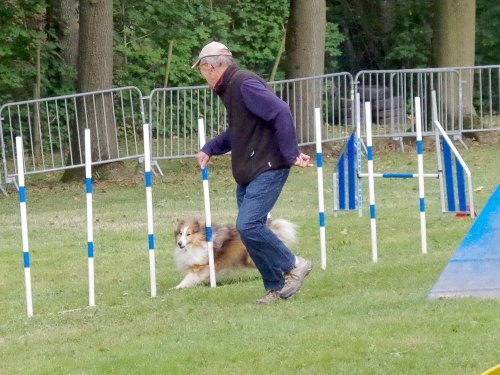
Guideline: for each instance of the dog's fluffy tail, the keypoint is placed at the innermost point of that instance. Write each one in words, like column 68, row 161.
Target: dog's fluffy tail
column 284, row 229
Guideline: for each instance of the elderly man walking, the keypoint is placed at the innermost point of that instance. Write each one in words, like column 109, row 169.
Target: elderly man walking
column 263, row 144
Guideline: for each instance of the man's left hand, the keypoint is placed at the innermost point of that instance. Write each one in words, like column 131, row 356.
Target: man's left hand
column 303, row 161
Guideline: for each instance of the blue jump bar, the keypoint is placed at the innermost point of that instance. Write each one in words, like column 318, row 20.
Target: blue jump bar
column 398, row 175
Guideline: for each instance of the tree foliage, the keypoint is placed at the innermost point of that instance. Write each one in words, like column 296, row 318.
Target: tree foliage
column 21, row 29
column 361, row 34
column 487, row 32
column 383, row 34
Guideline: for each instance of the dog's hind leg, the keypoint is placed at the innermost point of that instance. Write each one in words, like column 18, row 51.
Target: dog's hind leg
column 193, row 279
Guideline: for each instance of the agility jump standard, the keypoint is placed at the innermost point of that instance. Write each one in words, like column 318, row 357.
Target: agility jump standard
column 24, row 225
column 208, row 215
column 450, row 178
column 448, row 149
column 371, row 175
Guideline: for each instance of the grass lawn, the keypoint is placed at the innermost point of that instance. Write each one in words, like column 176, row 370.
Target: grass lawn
column 355, row 317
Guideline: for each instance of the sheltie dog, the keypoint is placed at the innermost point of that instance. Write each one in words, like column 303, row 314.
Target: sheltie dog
column 191, row 255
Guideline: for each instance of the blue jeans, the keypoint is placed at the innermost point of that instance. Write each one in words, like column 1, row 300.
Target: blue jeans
column 269, row 254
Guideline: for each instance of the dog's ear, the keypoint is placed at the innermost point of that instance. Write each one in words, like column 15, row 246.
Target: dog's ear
column 196, row 225
column 180, row 224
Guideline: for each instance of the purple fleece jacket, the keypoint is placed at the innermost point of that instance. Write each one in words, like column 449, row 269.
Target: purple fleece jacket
column 266, row 105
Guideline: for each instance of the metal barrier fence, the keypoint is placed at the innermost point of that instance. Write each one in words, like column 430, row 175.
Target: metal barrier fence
column 481, row 97
column 392, row 93
column 52, row 128
column 174, row 112
column 173, row 115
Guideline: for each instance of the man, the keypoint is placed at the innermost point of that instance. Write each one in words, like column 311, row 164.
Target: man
column 261, row 138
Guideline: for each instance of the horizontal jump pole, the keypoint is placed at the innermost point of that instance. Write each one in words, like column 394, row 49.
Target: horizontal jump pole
column 400, row 175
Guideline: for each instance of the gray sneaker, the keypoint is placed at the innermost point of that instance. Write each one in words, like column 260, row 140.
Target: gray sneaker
column 271, row 296
column 295, row 277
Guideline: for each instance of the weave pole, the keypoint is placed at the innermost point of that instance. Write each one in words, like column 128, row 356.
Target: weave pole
column 90, row 226
column 321, row 199
column 208, row 215
column 371, row 181
column 149, row 208
column 24, row 226
column 421, row 186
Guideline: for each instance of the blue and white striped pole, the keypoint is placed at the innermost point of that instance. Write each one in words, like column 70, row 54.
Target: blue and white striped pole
column 371, row 181
column 208, row 216
column 321, row 199
column 358, row 153
column 24, row 225
column 420, row 162
column 149, row 208
column 90, row 227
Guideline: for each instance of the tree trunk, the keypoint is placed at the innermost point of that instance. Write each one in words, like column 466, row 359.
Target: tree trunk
column 305, row 57
column 68, row 22
column 95, row 72
column 36, row 114
column 454, row 46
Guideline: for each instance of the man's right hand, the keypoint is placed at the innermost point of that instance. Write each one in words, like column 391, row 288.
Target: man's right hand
column 202, row 159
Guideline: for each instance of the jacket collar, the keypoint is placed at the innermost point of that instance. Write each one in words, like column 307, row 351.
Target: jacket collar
column 225, row 79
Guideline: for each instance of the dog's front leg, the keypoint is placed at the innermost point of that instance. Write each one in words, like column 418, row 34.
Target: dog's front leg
column 193, row 279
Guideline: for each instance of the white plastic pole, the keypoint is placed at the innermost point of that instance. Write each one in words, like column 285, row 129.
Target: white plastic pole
column 335, row 194
column 421, row 186
column 371, row 181
column 149, row 208
column 438, row 152
column 90, row 227
column 358, row 153
column 321, row 199
column 208, row 215
column 24, row 225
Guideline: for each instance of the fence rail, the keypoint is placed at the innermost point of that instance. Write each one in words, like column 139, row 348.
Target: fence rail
column 52, row 128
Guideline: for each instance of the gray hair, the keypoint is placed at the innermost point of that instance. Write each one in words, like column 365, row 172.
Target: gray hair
column 217, row 61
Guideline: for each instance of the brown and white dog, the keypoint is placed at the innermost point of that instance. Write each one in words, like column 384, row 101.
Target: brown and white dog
column 191, row 255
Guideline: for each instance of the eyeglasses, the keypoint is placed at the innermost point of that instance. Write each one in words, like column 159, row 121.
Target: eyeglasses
column 202, row 65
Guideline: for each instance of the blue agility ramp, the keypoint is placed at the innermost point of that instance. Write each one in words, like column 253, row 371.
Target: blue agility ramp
column 474, row 269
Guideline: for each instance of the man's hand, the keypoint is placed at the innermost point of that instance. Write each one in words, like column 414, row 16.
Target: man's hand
column 202, row 159
column 303, row 160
